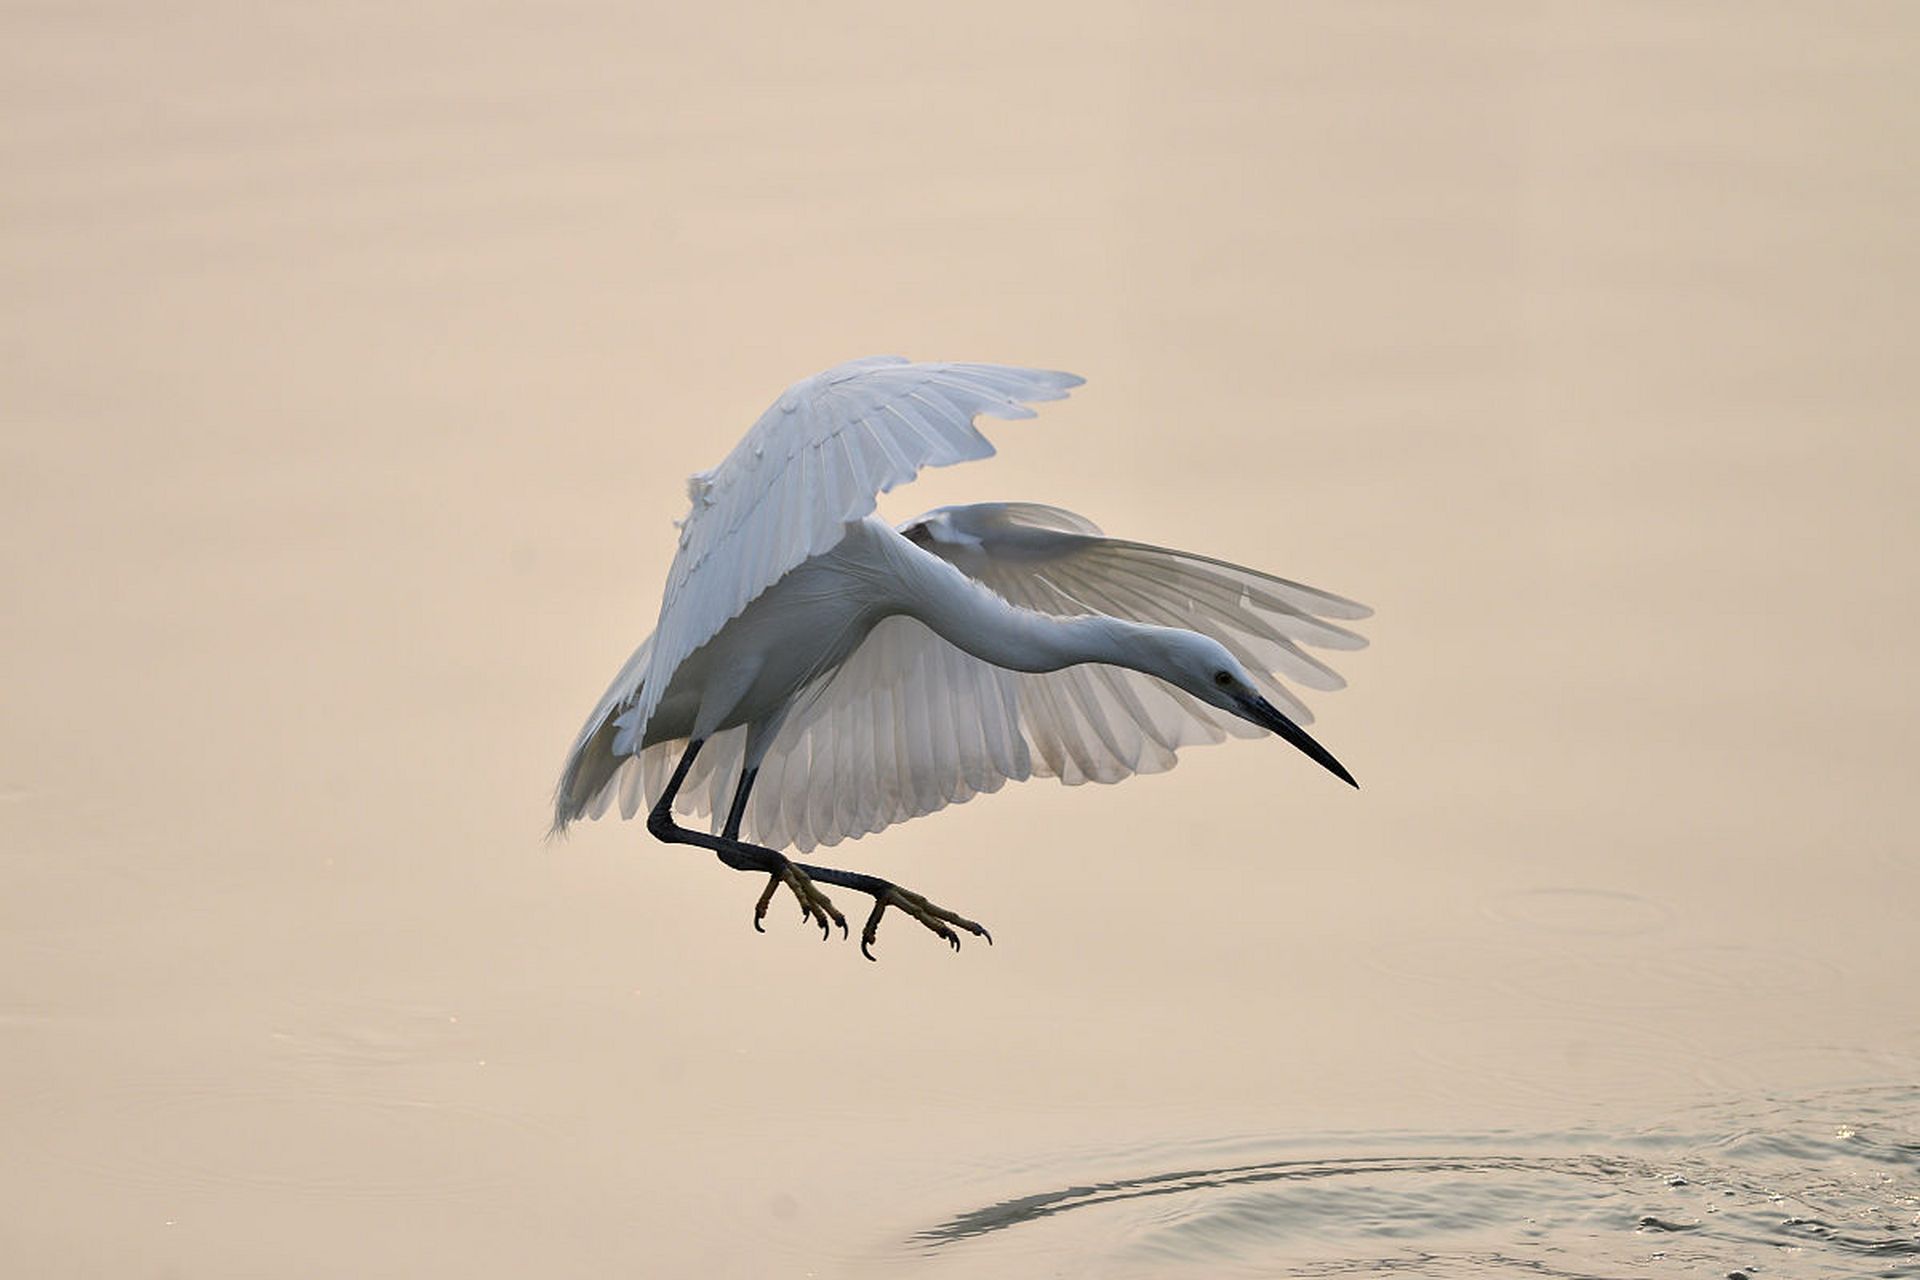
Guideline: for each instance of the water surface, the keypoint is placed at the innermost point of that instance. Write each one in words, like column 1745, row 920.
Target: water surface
column 354, row 357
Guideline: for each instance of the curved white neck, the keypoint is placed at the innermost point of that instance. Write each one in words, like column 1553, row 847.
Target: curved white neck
column 975, row 620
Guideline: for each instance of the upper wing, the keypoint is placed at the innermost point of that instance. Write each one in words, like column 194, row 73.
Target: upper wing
column 911, row 724
column 816, row 459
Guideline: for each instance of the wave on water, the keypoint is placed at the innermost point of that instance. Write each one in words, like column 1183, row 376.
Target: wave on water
column 1828, row 1186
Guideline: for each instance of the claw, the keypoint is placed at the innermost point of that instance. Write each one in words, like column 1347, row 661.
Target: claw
column 760, row 907
column 814, row 905
column 817, row 908
column 871, row 934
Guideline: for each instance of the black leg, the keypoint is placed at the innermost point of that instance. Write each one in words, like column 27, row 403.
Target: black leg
column 738, row 812
column 789, row 873
column 799, row 876
column 740, row 855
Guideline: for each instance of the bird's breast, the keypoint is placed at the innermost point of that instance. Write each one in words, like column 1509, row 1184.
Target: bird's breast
column 794, row 633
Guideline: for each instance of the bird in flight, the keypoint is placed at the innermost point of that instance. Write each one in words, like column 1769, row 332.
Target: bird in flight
column 817, row 674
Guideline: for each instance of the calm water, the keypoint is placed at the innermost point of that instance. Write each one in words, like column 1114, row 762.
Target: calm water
column 354, row 357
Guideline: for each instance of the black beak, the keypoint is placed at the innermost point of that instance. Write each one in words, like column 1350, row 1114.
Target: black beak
column 1268, row 716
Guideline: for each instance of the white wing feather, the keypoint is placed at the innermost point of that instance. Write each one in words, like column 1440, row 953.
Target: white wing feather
column 911, row 724
column 816, row 459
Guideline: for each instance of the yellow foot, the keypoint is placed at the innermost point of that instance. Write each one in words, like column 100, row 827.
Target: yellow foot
column 936, row 918
column 814, row 905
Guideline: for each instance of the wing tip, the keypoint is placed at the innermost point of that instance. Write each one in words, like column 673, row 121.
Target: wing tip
column 1058, row 383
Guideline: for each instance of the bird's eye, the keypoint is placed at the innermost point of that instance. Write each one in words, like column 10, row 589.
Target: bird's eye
column 1223, row 678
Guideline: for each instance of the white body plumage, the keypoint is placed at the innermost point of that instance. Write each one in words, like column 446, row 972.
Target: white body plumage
column 870, row 675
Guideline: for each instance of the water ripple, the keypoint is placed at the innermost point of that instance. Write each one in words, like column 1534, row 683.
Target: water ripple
column 1818, row 1187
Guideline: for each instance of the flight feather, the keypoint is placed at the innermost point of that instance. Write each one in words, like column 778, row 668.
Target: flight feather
column 819, row 457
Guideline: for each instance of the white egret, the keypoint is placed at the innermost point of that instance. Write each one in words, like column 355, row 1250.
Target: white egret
column 817, row 674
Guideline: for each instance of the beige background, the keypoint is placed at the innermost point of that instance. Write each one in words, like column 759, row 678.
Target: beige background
column 353, row 359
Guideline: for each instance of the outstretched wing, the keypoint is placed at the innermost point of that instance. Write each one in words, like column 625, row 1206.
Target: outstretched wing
column 910, row 724
column 816, row 459
column 586, row 780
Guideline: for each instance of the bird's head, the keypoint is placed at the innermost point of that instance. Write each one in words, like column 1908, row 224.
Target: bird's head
column 1204, row 668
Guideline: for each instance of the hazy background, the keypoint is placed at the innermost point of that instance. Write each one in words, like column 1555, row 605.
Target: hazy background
column 354, row 356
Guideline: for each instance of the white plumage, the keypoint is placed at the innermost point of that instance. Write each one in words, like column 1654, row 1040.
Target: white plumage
column 819, row 457
column 852, row 675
